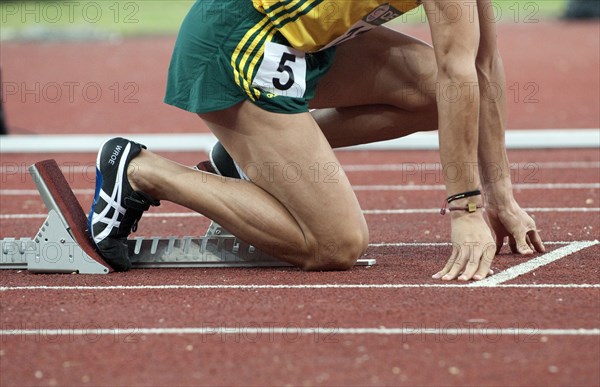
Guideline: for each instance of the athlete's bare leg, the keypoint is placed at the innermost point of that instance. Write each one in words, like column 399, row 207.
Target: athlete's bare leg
column 381, row 86
column 299, row 205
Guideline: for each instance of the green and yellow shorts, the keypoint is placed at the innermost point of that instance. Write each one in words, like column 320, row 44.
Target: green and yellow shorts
column 227, row 52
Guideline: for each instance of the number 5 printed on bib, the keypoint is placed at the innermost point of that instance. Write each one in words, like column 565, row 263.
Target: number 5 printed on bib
column 282, row 71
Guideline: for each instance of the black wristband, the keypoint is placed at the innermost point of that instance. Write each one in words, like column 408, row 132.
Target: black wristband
column 463, row 195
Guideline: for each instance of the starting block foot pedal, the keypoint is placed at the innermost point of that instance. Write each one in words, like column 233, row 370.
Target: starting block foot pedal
column 63, row 243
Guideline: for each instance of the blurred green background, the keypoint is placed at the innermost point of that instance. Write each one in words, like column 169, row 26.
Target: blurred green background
column 116, row 18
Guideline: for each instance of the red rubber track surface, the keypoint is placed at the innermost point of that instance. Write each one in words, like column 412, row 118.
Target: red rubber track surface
column 117, row 87
column 560, row 186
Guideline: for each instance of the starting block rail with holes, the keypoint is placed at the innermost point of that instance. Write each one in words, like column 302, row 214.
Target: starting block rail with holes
column 63, row 243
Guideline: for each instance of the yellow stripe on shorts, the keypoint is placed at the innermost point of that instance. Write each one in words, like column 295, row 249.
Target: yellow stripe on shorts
column 238, row 77
column 266, row 34
column 257, row 57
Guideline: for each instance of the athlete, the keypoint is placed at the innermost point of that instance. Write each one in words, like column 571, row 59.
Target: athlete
column 253, row 70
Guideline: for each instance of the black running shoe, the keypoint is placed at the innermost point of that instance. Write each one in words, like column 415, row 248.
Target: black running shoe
column 220, row 163
column 117, row 208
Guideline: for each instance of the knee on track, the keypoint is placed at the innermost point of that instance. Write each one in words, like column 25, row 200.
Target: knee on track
column 336, row 253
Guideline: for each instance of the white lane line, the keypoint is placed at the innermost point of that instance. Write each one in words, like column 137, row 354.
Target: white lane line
column 295, row 287
column 533, row 264
column 439, row 244
column 407, row 211
column 515, row 139
column 22, row 216
column 443, row 244
column 437, row 210
column 397, row 187
column 183, row 142
column 434, row 244
column 89, row 169
column 296, row 332
column 35, row 192
column 413, row 168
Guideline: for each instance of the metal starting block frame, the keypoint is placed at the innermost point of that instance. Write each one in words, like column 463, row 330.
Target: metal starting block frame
column 55, row 249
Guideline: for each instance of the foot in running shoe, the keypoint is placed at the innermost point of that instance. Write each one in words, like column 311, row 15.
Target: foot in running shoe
column 117, row 208
column 221, row 163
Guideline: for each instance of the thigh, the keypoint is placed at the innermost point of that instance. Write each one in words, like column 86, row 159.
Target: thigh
column 382, row 66
column 288, row 156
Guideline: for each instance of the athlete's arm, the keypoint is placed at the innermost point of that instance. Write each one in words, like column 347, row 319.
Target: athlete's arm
column 505, row 215
column 455, row 33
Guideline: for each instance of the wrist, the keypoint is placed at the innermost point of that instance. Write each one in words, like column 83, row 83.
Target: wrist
column 473, row 206
column 498, row 184
column 465, row 202
column 499, row 195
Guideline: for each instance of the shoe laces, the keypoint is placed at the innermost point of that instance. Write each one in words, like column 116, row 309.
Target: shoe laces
column 135, row 205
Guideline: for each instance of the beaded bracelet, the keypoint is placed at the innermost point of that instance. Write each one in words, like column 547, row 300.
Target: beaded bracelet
column 470, row 207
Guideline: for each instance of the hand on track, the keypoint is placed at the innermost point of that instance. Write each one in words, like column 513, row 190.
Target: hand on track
column 473, row 249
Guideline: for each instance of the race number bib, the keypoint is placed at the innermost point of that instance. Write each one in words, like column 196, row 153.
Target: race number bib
column 282, row 71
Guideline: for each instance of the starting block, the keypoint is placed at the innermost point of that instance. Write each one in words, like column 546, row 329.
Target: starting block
column 64, row 245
